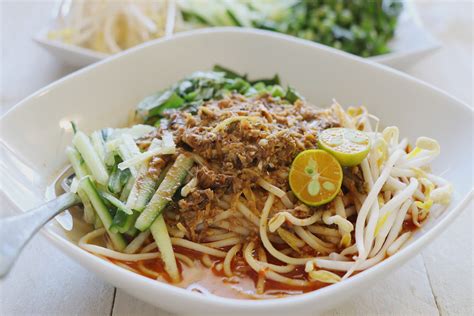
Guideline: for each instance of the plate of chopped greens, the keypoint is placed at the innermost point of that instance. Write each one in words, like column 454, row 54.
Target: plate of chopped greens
column 386, row 31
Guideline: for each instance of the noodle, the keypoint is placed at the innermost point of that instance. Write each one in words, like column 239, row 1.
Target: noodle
column 267, row 244
column 228, row 259
column 237, row 229
column 223, row 243
column 258, row 267
column 136, row 243
column 206, row 260
column 324, row 231
column 313, row 241
column 186, row 260
column 260, row 287
column 277, row 220
column 197, row 247
column 217, row 186
column 247, row 213
column 294, row 242
column 83, row 243
column 221, row 236
column 141, row 266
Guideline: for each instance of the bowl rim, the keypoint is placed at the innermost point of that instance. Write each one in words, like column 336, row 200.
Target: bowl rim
column 404, row 254
column 232, row 29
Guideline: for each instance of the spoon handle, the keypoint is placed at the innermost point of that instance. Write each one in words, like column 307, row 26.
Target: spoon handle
column 17, row 230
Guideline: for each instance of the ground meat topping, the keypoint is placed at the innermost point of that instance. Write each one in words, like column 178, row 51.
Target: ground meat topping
column 240, row 140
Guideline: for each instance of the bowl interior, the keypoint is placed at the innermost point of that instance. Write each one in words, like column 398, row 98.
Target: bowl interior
column 35, row 133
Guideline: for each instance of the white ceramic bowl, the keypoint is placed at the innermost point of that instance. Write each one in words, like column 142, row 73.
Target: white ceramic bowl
column 34, row 137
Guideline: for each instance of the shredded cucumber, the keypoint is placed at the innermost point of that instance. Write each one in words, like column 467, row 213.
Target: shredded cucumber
column 89, row 214
column 123, row 222
column 116, row 202
column 163, row 240
column 143, row 188
column 127, row 188
column 99, row 145
column 118, row 179
column 96, row 166
column 89, row 188
column 172, row 181
column 78, row 164
column 127, row 150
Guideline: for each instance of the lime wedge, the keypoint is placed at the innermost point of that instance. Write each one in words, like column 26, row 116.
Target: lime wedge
column 347, row 145
column 315, row 177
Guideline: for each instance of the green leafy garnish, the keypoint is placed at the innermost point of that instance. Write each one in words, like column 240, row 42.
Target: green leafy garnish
column 190, row 93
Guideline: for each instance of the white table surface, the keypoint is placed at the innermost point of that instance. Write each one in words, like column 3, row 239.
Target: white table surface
column 46, row 282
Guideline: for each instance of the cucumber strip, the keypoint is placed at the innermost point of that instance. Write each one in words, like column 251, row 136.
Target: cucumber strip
column 142, row 157
column 97, row 222
column 127, row 188
column 163, row 240
column 165, row 192
column 96, row 166
column 132, row 232
column 89, row 213
column 118, row 179
column 123, row 222
column 126, row 153
column 144, row 188
column 78, row 164
column 74, row 185
column 145, row 185
column 136, row 243
column 129, row 142
column 99, row 145
column 102, row 211
column 136, row 131
column 133, row 196
column 114, row 184
column 113, row 145
column 117, row 203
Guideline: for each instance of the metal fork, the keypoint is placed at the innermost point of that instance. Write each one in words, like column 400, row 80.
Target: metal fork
column 17, row 230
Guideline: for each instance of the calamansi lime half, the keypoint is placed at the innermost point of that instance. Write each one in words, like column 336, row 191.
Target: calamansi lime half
column 315, row 177
column 349, row 146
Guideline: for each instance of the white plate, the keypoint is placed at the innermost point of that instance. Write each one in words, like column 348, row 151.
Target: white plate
column 33, row 137
column 411, row 42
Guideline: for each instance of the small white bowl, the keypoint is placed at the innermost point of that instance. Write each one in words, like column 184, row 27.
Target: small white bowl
column 34, row 136
column 411, row 42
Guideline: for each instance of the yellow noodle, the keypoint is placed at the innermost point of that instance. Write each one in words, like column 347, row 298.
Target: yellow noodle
column 185, row 259
column 206, row 260
column 149, row 247
column 292, row 241
column 197, row 247
column 324, row 231
column 266, row 242
column 221, row 236
column 228, row 259
column 247, row 213
column 313, row 241
column 260, row 288
column 223, row 243
column 144, row 269
column 137, row 242
column 278, row 219
column 237, row 229
column 257, row 266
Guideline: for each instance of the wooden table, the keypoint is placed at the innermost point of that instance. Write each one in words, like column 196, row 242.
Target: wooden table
column 46, row 282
